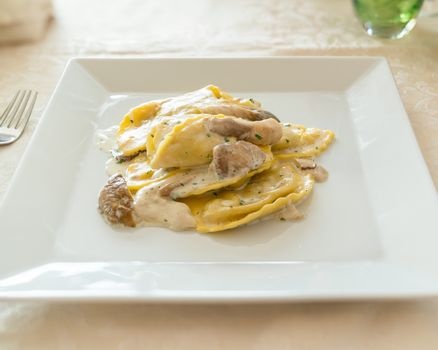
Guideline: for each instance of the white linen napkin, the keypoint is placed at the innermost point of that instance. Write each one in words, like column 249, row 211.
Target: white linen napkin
column 22, row 20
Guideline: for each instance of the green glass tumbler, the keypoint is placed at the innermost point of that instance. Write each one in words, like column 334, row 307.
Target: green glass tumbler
column 391, row 19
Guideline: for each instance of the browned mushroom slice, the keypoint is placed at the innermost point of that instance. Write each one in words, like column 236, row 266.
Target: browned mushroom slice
column 238, row 111
column 310, row 167
column 233, row 159
column 121, row 158
column 116, row 203
column 265, row 132
column 173, row 183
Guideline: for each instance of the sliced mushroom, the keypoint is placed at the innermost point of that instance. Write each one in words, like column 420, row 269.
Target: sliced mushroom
column 290, row 213
column 116, row 203
column 238, row 111
column 121, row 158
column 175, row 182
column 306, row 164
column 310, row 167
column 265, row 132
column 319, row 173
column 234, row 159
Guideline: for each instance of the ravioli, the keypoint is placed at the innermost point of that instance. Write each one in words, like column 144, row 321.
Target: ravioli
column 188, row 144
column 266, row 193
column 209, row 161
column 190, row 181
column 134, row 129
column 140, row 174
column 298, row 141
column 206, row 181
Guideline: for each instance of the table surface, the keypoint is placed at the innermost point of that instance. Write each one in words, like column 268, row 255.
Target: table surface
column 173, row 28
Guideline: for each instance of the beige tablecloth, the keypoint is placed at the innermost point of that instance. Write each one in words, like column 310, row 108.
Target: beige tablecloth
column 220, row 28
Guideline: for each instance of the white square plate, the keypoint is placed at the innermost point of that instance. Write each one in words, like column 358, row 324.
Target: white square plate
column 371, row 229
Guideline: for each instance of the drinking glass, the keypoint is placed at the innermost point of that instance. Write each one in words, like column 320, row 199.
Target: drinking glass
column 388, row 18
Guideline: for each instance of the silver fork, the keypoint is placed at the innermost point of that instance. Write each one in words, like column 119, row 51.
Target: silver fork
column 16, row 115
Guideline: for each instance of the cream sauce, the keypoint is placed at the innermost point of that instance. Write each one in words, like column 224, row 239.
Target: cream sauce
column 199, row 179
column 319, row 173
column 204, row 179
column 151, row 209
column 112, row 166
column 106, row 138
column 308, row 166
column 290, row 213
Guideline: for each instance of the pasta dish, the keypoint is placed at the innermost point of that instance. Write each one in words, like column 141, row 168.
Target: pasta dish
column 208, row 161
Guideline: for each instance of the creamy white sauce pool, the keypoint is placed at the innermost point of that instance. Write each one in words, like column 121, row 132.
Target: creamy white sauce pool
column 106, row 139
column 152, row 209
column 113, row 167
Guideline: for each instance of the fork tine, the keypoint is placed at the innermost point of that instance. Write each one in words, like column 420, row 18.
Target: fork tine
column 20, row 111
column 8, row 108
column 28, row 111
column 12, row 113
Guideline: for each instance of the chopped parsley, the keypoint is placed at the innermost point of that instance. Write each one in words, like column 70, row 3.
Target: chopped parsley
column 258, row 136
column 282, row 219
column 242, row 202
column 215, row 194
column 208, row 135
column 287, row 140
column 226, row 139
